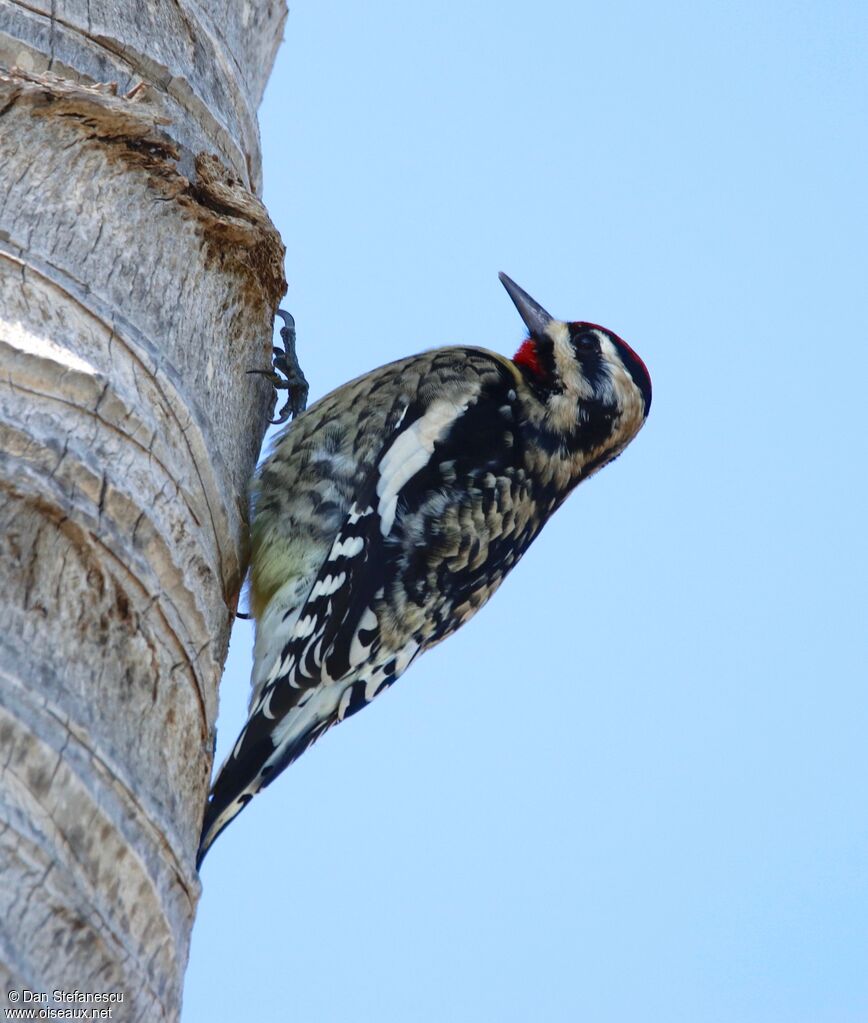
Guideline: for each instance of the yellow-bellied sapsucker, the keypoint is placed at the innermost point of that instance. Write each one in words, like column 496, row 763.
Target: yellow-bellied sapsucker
column 392, row 509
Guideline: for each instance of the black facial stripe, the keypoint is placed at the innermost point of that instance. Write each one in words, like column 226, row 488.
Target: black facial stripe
column 636, row 368
column 545, row 352
column 586, row 343
column 584, row 338
column 582, row 331
column 593, row 428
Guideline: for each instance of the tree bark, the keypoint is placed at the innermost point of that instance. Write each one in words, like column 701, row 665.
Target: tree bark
column 139, row 276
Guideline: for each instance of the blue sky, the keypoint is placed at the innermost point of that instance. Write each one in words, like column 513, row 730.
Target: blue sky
column 633, row 788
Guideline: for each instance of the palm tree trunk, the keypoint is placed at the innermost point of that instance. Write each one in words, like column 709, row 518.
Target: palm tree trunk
column 139, row 275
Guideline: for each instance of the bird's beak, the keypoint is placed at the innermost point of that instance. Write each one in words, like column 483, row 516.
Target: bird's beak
column 535, row 317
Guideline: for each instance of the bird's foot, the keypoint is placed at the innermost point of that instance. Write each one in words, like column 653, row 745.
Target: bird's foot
column 285, row 373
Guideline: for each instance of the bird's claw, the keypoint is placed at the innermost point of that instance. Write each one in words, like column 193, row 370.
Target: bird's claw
column 285, row 373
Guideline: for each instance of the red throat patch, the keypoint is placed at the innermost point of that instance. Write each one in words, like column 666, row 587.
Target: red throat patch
column 528, row 358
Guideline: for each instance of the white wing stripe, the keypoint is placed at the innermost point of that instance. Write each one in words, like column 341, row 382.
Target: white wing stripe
column 409, row 453
column 304, row 628
column 355, row 514
column 328, row 585
column 348, row 548
column 359, row 651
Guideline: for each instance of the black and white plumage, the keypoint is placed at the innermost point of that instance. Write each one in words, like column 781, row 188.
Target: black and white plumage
column 391, row 510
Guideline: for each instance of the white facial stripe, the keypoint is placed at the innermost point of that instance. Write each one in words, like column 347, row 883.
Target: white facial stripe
column 621, row 388
column 409, row 453
column 566, row 366
column 559, row 332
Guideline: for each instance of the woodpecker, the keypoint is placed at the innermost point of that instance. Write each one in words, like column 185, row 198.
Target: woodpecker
column 390, row 511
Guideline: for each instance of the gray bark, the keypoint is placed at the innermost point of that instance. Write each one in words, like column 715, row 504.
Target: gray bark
column 139, row 275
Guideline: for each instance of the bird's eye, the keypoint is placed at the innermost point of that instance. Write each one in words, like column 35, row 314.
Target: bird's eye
column 586, row 341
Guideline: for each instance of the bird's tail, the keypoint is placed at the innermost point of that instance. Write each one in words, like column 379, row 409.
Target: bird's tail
column 232, row 791
column 261, row 753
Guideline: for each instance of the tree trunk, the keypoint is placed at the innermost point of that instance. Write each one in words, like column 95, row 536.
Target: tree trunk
column 138, row 282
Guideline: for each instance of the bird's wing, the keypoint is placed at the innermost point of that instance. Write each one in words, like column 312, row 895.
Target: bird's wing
column 298, row 696
column 330, row 659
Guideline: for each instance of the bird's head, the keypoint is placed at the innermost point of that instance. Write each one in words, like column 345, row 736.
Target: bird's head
column 595, row 389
